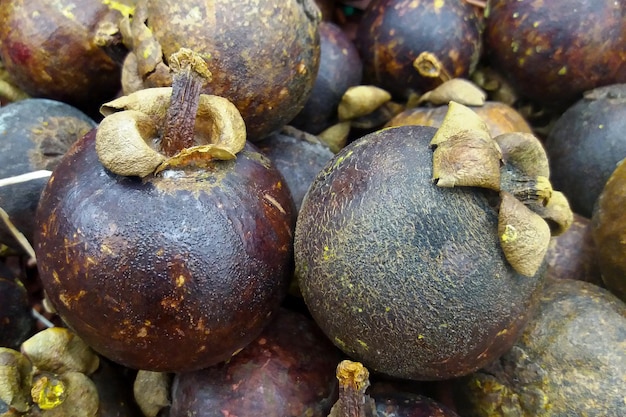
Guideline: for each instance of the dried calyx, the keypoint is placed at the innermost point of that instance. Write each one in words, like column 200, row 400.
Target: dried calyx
column 154, row 129
column 516, row 166
column 51, row 373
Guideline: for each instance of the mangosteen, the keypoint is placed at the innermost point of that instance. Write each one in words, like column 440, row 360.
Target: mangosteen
column 264, row 56
column 16, row 321
column 426, row 264
column 298, row 156
column 586, row 143
column 35, row 133
column 574, row 255
column 609, row 228
column 163, row 238
column 554, row 51
column 54, row 49
column 398, row 39
column 287, row 371
column 340, row 68
column 570, row 360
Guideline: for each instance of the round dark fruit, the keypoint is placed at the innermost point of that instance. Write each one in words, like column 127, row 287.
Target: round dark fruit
column 585, row 145
column 287, row 371
column 298, row 156
column 263, row 56
column 574, row 255
column 51, row 49
column 570, row 360
column 401, row 274
column 340, row 68
column 163, row 239
column 173, row 273
column 554, row 51
column 34, row 135
column 16, row 320
column 609, row 229
column 403, row 404
column 393, row 34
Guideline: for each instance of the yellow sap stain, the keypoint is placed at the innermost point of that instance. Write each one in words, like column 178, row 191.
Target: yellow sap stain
column 510, row 234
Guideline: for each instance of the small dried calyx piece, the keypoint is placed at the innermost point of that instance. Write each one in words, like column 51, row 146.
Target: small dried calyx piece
column 515, row 165
column 154, row 129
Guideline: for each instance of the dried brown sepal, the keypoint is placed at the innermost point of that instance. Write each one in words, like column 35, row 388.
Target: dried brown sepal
column 524, row 235
column 360, row 100
column 458, row 90
column 59, row 350
column 197, row 156
column 353, row 380
column 15, row 379
column 151, row 101
column 535, row 192
column 151, row 391
column 464, row 152
column 123, row 144
column 525, row 152
column 557, row 213
column 80, row 397
column 169, row 127
column 336, row 136
column 466, row 160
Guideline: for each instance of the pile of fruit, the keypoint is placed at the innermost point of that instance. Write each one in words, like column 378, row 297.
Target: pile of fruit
column 312, row 208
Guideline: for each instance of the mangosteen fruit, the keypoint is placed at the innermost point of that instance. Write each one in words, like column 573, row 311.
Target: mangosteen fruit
column 425, row 264
column 54, row 49
column 570, row 360
column 16, row 321
column 609, row 229
column 340, row 67
column 586, row 143
column 163, row 238
column 574, row 255
column 34, row 133
column 412, row 46
column 298, row 156
column 288, row 371
column 264, row 55
column 554, row 51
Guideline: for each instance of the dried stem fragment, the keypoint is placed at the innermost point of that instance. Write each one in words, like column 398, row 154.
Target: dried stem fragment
column 190, row 75
column 428, row 65
column 353, row 382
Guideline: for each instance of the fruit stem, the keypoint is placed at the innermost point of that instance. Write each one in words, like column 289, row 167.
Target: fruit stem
column 190, row 75
column 353, row 381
